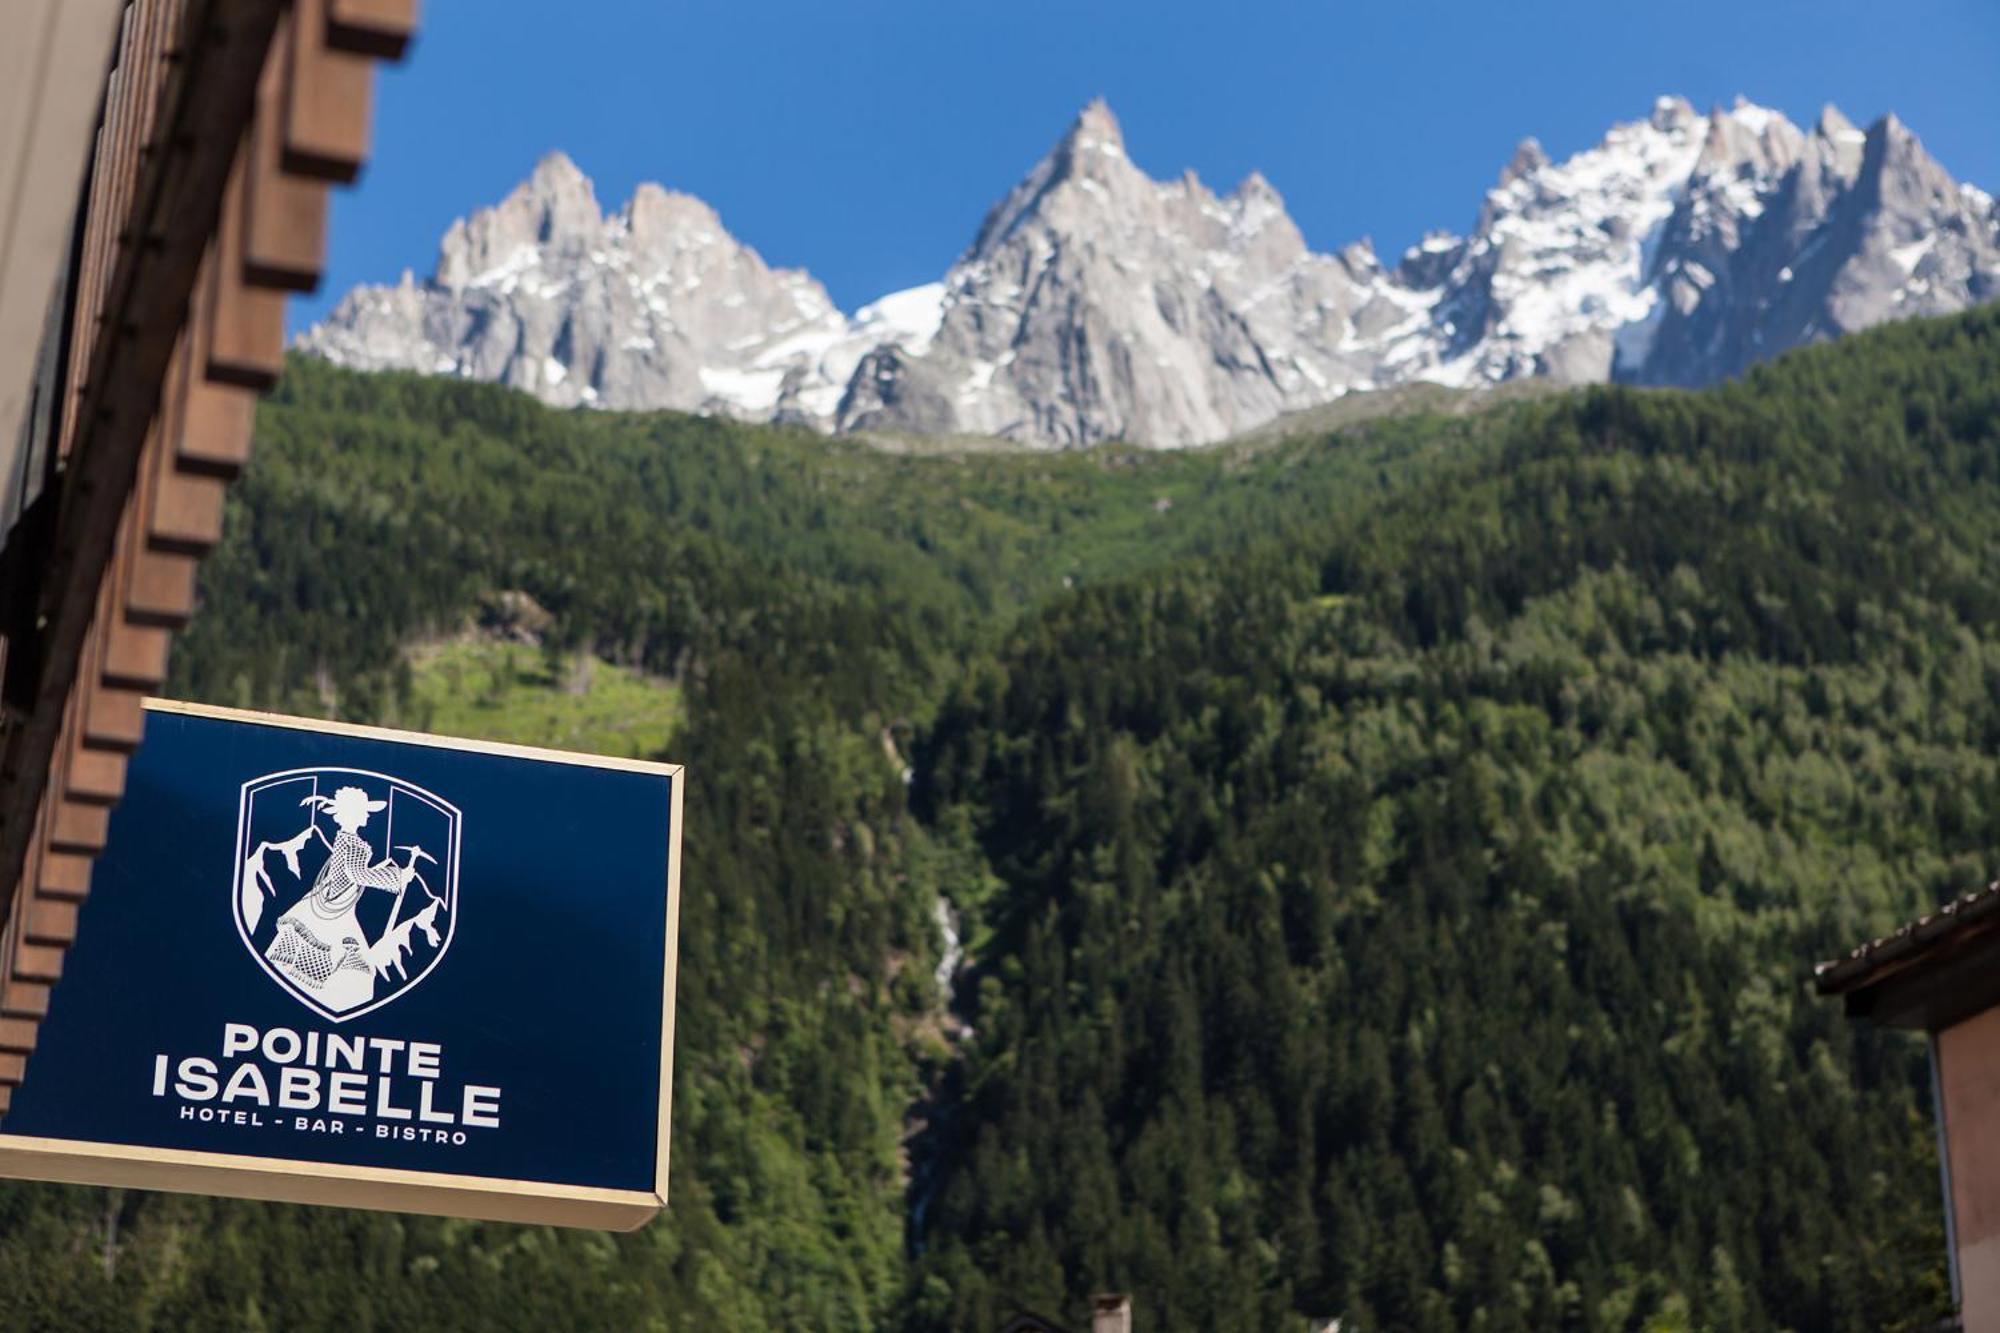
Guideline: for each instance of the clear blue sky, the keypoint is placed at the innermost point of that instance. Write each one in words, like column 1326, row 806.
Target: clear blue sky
column 864, row 139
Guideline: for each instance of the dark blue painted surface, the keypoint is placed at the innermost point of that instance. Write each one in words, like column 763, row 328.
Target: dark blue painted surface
column 549, row 988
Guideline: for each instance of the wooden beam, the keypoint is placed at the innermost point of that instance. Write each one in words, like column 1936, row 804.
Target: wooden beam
column 95, row 776
column 183, row 509
column 246, row 331
column 78, row 827
column 64, row 876
column 187, row 512
column 380, row 28
column 24, row 999
column 38, row 962
column 110, row 714
column 135, row 656
column 162, row 589
column 216, row 419
column 114, row 719
column 326, row 113
column 48, row 921
column 284, row 224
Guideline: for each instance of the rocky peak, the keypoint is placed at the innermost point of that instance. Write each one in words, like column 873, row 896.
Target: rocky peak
column 1094, row 139
column 1745, row 141
column 554, row 207
column 1672, row 114
column 1100, row 303
column 1426, row 265
column 1088, row 161
column 1257, row 215
column 1745, row 153
column 1360, row 260
column 1253, row 190
column 1528, row 157
column 1889, row 149
column 1909, row 196
column 656, row 209
column 556, row 176
column 661, row 221
column 1837, row 145
column 1906, row 192
column 1833, row 127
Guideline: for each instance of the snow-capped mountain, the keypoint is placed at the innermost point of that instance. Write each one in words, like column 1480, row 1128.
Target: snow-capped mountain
column 655, row 305
column 1098, row 303
column 1783, row 237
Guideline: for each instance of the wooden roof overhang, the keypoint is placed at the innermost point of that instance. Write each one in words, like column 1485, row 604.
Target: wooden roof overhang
column 1928, row 974
column 223, row 123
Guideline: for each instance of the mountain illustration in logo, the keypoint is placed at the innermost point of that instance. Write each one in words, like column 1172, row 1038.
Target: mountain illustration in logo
column 346, row 884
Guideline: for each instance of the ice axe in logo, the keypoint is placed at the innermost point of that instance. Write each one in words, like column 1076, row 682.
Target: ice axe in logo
column 412, row 873
column 396, row 935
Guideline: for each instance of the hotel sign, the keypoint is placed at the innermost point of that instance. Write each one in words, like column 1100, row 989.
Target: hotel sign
column 333, row 964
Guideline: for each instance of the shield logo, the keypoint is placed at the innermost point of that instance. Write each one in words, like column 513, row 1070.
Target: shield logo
column 346, row 889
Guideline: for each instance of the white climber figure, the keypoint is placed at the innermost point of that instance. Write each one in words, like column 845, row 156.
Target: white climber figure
column 300, row 894
column 320, row 943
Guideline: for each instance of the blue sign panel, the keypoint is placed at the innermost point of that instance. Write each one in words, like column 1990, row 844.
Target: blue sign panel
column 345, row 965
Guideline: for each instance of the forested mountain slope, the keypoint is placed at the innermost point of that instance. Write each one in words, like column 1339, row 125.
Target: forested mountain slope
column 1409, row 923
column 1389, row 859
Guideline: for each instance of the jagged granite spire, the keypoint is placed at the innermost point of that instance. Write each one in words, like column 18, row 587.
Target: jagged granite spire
column 555, row 208
column 1795, row 238
column 655, row 305
column 1098, row 303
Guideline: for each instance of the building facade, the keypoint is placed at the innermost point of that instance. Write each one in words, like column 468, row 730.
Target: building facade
column 163, row 187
